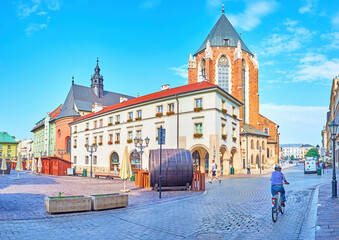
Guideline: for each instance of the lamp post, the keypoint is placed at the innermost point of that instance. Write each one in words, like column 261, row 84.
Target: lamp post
column 333, row 128
column 62, row 152
column 91, row 149
column 317, row 147
column 138, row 144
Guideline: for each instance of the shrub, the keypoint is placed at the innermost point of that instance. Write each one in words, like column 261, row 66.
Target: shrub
column 110, row 124
column 137, row 118
column 117, row 122
column 234, row 139
column 75, row 146
column 129, row 120
column 159, row 114
column 235, row 116
column 170, row 113
column 224, row 111
column 86, row 129
column 129, row 140
column 198, row 109
column 110, row 142
column 117, row 142
column 224, row 136
column 197, row 135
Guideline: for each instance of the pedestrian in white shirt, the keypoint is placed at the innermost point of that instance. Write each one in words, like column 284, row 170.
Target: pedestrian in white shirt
column 213, row 171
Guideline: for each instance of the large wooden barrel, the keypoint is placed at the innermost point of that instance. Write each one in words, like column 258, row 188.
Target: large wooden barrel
column 176, row 167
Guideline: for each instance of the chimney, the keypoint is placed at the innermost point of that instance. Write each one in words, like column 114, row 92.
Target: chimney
column 123, row 99
column 165, row 87
column 97, row 107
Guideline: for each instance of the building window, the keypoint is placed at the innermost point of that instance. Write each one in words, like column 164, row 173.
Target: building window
column 114, row 166
column 100, row 139
column 87, row 141
column 252, row 144
column 95, row 160
column 223, row 129
column 135, row 161
column 233, row 111
column 130, row 115
column 130, row 135
column 203, row 68
column 266, row 130
column 86, row 160
column 110, row 137
column 111, row 120
column 9, row 146
column 95, row 124
column 117, row 118
column 117, row 137
column 223, row 73
column 243, row 89
column 171, row 107
column 234, row 134
column 100, row 122
column 68, row 144
column 139, row 113
column 198, row 102
column 258, row 144
column 75, row 129
column 0, row 146
column 223, row 104
column 75, row 160
column 95, row 140
column 87, row 125
column 139, row 134
column 198, row 128
column 263, row 145
column 75, row 142
column 159, row 109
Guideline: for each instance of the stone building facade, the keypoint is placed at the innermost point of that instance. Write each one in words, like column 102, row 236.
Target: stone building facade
column 200, row 117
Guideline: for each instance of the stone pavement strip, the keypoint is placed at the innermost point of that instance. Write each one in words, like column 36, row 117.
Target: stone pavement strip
column 237, row 208
column 328, row 215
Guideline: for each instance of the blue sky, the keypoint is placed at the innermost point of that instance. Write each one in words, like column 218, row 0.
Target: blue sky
column 144, row 44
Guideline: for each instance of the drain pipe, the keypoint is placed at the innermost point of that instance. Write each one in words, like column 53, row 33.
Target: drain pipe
column 176, row 98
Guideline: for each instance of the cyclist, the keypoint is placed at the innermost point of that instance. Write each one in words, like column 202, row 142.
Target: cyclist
column 277, row 184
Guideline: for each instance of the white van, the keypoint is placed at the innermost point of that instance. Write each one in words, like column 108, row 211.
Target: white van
column 310, row 165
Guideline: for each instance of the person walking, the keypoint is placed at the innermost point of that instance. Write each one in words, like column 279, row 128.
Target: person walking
column 213, row 171
column 248, row 168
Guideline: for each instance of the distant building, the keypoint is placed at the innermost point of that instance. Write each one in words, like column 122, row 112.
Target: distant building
column 8, row 146
column 296, row 150
column 24, row 148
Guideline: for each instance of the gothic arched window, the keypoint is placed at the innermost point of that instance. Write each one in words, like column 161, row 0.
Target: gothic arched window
column 223, row 73
column 203, row 68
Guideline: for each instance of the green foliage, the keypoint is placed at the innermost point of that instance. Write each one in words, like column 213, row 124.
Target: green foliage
column 313, row 152
column 59, row 194
column 292, row 157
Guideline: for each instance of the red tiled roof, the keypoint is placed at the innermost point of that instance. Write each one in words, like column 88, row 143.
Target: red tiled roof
column 153, row 96
column 54, row 114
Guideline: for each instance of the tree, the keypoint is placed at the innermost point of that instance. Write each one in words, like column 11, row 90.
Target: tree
column 313, row 152
column 292, row 157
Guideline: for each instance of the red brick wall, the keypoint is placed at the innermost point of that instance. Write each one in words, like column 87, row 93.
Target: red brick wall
column 273, row 131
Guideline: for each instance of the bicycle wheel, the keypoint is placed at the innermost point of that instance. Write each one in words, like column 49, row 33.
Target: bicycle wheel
column 274, row 214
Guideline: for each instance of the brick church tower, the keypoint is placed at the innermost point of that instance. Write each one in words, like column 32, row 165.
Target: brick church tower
column 224, row 59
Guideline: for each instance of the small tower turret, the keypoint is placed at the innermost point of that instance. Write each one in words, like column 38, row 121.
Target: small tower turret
column 192, row 73
column 97, row 80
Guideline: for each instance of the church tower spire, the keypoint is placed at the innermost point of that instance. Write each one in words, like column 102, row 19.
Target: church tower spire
column 97, row 80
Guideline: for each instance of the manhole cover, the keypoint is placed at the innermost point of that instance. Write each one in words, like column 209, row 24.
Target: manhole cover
column 209, row 236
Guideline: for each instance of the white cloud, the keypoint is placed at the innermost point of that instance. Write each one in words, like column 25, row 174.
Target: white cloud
column 269, row 63
column 253, row 14
column 181, row 71
column 33, row 27
column 335, row 20
column 53, row 4
column 291, row 38
column 298, row 124
column 42, row 13
column 149, row 4
column 25, row 10
column 306, row 8
column 333, row 39
column 316, row 67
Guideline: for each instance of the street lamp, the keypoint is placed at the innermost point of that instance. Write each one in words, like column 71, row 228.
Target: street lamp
column 62, row 152
column 91, row 149
column 140, row 146
column 318, row 147
column 333, row 128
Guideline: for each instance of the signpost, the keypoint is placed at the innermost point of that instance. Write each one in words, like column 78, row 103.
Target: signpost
column 322, row 151
column 161, row 141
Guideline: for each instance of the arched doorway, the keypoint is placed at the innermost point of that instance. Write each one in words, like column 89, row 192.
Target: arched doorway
column 233, row 155
column 114, row 162
column 196, row 161
column 223, row 160
column 135, row 161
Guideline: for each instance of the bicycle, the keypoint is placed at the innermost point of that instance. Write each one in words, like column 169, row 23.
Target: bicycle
column 276, row 206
